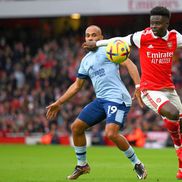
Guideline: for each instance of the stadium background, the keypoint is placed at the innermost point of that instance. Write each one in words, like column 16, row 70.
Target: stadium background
column 39, row 56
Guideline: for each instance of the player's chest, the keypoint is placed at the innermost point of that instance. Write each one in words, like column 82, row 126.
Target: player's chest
column 159, row 45
column 96, row 62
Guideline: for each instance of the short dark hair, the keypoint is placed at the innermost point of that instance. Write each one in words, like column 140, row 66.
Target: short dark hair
column 160, row 10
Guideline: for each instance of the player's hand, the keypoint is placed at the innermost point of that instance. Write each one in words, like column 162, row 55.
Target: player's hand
column 89, row 45
column 137, row 95
column 52, row 110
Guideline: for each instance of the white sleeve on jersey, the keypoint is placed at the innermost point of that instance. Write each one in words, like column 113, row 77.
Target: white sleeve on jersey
column 137, row 37
column 179, row 39
column 105, row 42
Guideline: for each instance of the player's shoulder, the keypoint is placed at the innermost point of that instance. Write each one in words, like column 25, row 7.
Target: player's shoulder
column 173, row 31
column 86, row 57
column 147, row 31
column 144, row 32
column 100, row 51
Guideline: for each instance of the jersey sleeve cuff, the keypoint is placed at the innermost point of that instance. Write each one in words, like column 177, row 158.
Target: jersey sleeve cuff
column 102, row 43
column 82, row 76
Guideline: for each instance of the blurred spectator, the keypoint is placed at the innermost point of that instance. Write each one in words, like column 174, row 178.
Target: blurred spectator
column 135, row 136
column 96, row 135
column 36, row 67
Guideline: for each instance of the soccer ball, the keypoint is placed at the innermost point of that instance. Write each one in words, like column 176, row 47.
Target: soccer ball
column 117, row 51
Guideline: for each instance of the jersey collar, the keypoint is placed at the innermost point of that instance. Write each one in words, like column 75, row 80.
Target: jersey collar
column 165, row 37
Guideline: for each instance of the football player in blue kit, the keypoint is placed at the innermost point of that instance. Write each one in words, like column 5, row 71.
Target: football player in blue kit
column 112, row 103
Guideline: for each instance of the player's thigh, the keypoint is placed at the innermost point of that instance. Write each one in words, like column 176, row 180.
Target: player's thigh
column 154, row 99
column 92, row 113
column 175, row 100
column 116, row 113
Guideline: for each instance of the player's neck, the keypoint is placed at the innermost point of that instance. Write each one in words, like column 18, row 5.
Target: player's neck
column 163, row 33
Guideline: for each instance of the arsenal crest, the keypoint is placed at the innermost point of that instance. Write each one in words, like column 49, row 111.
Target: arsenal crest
column 169, row 44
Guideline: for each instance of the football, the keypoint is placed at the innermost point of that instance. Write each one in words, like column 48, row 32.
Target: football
column 117, row 51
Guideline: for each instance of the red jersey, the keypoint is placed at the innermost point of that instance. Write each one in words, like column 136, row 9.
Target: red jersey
column 156, row 56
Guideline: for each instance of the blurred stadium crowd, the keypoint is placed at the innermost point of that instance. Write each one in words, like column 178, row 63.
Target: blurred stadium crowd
column 36, row 67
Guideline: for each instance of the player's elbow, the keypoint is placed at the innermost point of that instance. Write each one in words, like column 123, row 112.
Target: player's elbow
column 77, row 86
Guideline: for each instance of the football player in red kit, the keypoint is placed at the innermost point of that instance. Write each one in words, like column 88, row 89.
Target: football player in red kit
column 156, row 49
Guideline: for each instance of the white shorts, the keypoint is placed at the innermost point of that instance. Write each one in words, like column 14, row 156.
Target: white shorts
column 156, row 99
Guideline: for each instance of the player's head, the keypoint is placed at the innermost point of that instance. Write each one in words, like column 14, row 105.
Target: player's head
column 159, row 20
column 93, row 33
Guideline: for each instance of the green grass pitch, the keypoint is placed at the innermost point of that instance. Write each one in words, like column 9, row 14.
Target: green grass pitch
column 22, row 163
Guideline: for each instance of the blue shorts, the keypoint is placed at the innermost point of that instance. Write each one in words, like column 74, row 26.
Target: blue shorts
column 101, row 109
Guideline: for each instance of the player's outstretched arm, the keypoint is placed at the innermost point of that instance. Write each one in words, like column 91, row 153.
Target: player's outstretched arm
column 133, row 71
column 90, row 45
column 54, row 108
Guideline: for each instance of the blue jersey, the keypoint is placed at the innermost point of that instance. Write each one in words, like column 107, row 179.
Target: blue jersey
column 105, row 77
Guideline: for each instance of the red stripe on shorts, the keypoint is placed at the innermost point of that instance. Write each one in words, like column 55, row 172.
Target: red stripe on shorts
column 152, row 102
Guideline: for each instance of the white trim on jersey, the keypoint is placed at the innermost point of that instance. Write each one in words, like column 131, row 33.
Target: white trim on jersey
column 179, row 39
column 137, row 38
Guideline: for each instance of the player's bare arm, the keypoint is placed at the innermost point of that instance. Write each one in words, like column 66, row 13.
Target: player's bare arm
column 54, row 108
column 90, row 45
column 133, row 71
